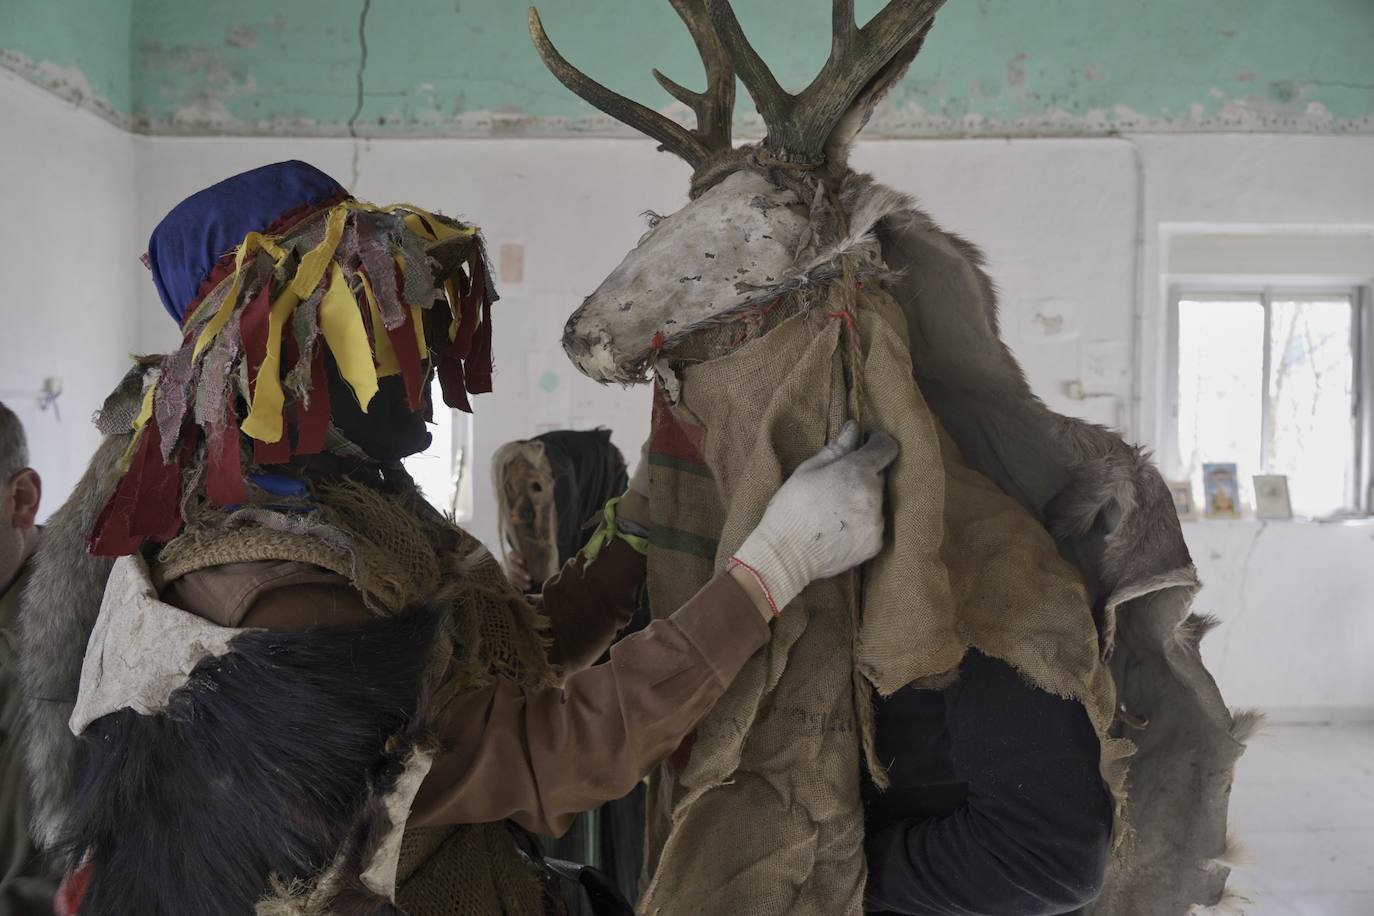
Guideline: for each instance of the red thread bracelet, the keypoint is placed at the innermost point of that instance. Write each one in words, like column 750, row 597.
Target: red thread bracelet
column 736, row 561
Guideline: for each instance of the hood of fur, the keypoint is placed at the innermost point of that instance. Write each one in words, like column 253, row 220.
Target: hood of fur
column 57, row 612
column 1112, row 516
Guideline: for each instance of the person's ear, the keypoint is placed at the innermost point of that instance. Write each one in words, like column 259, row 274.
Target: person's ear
column 27, row 487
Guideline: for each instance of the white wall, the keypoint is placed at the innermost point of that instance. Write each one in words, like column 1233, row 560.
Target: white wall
column 573, row 205
column 68, row 262
column 1297, row 599
column 1069, row 226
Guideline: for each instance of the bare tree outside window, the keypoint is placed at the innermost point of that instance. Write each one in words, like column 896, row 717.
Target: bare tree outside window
column 1309, row 430
column 1267, row 380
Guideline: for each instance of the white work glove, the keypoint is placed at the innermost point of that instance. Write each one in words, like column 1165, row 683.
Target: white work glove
column 639, row 482
column 633, row 511
column 827, row 517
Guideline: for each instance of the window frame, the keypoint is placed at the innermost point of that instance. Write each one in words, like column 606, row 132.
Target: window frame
column 1358, row 494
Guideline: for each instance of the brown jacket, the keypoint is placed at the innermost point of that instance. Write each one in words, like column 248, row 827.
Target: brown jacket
column 537, row 757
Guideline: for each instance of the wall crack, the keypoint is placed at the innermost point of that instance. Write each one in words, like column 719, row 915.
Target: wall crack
column 358, row 106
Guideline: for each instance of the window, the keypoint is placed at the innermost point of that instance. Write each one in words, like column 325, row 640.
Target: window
column 1270, row 379
column 443, row 471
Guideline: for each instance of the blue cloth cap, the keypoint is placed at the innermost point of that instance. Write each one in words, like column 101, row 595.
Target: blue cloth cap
column 190, row 240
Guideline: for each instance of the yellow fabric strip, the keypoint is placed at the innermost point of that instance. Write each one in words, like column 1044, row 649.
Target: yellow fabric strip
column 418, row 226
column 251, row 243
column 317, row 260
column 145, row 413
column 426, row 224
column 316, row 263
column 387, row 364
column 264, row 420
column 342, row 326
column 226, row 308
column 204, row 303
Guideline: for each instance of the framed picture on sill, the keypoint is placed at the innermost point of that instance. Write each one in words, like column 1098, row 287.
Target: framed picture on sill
column 1182, row 492
column 1271, row 496
column 1221, row 490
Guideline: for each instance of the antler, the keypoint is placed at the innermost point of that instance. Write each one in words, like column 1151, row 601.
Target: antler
column 714, row 108
column 798, row 125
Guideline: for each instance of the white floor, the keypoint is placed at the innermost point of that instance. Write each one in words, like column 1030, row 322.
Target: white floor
column 1303, row 810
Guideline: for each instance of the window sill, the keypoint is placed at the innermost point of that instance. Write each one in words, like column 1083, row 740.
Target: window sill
column 1250, row 521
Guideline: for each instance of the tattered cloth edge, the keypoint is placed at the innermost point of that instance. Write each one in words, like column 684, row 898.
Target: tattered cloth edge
column 142, row 650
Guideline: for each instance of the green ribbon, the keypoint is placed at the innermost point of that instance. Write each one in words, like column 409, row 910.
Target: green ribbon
column 610, row 529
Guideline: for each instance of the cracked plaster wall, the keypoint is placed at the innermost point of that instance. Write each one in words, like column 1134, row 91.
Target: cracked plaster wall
column 466, row 68
column 1059, row 221
column 1058, row 218
column 67, row 179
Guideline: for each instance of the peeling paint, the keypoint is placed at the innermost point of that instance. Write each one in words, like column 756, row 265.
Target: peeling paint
column 67, row 83
column 995, row 68
column 243, row 36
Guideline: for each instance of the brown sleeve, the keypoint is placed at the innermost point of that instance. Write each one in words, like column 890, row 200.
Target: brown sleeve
column 271, row 594
column 587, row 605
column 539, row 757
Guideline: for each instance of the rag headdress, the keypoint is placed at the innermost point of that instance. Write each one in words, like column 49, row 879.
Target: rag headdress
column 265, row 271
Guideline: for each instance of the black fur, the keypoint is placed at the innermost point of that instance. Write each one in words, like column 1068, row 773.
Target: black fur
column 259, row 766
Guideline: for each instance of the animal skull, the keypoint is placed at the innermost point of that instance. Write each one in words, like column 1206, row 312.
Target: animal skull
column 743, row 238
column 709, row 259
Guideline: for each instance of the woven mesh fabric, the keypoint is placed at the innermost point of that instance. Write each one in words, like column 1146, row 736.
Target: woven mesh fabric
column 465, row 871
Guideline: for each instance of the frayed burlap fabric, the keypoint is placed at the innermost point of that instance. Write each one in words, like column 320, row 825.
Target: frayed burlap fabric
column 402, row 555
column 760, row 814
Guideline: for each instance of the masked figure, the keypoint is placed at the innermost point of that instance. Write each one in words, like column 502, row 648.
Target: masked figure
column 293, row 688
column 550, row 491
column 1006, row 711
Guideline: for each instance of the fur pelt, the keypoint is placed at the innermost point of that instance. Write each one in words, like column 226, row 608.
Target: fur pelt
column 177, row 811
column 57, row 612
column 1112, row 516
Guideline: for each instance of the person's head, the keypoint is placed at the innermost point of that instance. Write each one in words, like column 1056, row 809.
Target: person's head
column 390, row 430
column 312, row 324
column 19, row 497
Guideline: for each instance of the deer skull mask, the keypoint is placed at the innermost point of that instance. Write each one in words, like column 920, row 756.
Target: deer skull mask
column 744, row 237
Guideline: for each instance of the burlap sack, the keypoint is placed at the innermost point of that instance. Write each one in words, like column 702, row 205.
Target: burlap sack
column 764, row 815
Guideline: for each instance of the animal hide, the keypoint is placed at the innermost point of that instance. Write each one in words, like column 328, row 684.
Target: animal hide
column 1112, row 516
column 315, row 709
column 57, row 612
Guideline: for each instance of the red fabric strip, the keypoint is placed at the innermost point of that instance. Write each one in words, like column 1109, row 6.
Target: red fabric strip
column 224, row 467
column 452, row 384
column 111, row 535
column 72, row 891
column 468, row 314
column 278, row 452
column 670, row 436
column 409, row 357
column 158, row 516
column 312, row 423
column 146, row 503
column 477, row 365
